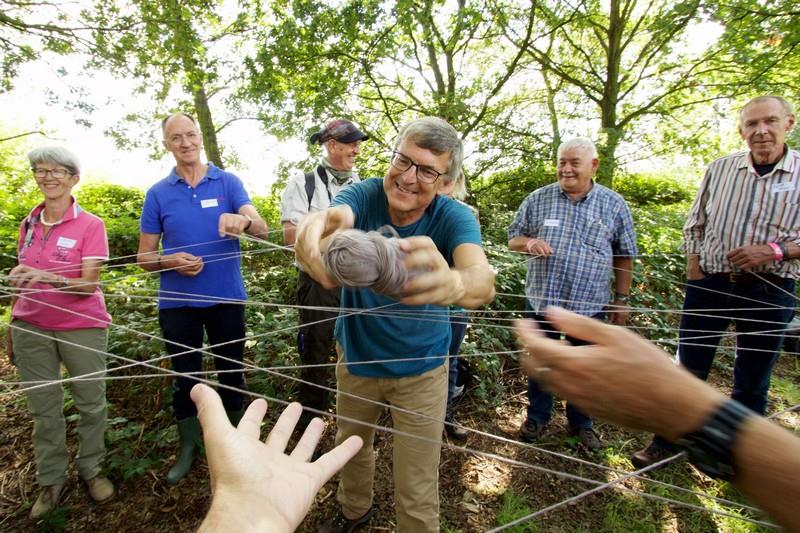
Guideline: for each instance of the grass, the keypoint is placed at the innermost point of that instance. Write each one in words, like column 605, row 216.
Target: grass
column 515, row 506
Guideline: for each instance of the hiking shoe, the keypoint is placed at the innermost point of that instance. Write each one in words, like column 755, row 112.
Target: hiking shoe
column 341, row 524
column 530, row 431
column 454, row 431
column 100, row 488
column 655, row 452
column 588, row 438
column 47, row 500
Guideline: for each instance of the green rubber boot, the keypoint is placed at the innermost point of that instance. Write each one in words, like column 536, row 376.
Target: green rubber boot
column 189, row 433
column 235, row 416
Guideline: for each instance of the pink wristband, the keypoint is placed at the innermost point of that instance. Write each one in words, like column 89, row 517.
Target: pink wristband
column 776, row 250
column 528, row 245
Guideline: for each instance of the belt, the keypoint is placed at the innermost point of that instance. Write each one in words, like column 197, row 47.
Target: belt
column 749, row 278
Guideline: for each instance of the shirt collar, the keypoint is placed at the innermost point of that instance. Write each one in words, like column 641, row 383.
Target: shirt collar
column 71, row 213
column 784, row 164
column 583, row 198
column 213, row 173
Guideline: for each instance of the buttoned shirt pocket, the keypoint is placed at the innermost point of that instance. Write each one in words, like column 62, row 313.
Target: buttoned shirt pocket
column 596, row 236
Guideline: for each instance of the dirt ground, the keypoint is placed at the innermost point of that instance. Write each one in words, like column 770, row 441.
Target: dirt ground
column 471, row 486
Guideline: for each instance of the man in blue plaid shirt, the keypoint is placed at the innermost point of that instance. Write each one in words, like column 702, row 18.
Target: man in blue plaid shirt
column 580, row 236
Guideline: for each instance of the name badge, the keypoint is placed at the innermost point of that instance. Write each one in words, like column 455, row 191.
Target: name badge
column 210, row 202
column 551, row 223
column 784, row 186
column 64, row 242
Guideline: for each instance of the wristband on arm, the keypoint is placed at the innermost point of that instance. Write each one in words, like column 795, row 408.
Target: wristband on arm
column 777, row 251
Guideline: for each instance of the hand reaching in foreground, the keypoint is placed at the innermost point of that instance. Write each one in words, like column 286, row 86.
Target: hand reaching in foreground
column 256, row 486
column 621, row 377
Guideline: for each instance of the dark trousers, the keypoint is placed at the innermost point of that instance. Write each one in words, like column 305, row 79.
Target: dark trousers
column 759, row 310
column 315, row 339
column 458, row 329
column 186, row 326
column 540, row 403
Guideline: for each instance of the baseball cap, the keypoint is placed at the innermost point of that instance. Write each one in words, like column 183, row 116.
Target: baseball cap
column 341, row 130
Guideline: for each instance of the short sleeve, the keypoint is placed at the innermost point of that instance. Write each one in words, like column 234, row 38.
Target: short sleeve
column 625, row 238
column 520, row 225
column 151, row 215
column 294, row 202
column 237, row 193
column 95, row 241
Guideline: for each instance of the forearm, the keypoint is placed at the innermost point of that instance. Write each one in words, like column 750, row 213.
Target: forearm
column 519, row 244
column 767, row 460
column 289, row 231
column 623, row 275
column 151, row 261
column 477, row 286
column 258, row 228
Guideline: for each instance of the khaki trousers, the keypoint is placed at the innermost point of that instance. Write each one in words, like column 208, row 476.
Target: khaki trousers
column 415, row 462
column 39, row 357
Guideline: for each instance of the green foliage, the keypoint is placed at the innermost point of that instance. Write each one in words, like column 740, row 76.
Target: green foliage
column 515, row 506
column 659, row 272
column 120, row 208
column 654, row 189
column 18, row 195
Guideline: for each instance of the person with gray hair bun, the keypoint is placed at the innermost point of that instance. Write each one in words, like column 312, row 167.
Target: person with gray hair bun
column 400, row 360
column 59, row 317
column 579, row 236
column 309, row 193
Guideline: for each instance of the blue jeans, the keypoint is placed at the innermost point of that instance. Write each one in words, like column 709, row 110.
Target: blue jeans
column 458, row 329
column 759, row 331
column 540, row 403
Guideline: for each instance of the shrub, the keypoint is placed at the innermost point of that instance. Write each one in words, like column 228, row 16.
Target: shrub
column 654, row 189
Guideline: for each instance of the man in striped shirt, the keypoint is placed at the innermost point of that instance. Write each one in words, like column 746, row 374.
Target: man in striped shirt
column 741, row 235
column 581, row 236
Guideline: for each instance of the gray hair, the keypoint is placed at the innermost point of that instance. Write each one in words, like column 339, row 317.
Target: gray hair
column 55, row 154
column 438, row 136
column 787, row 107
column 176, row 114
column 579, row 142
column 460, row 187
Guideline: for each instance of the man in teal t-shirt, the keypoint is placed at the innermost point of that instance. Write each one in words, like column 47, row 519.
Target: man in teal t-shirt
column 398, row 356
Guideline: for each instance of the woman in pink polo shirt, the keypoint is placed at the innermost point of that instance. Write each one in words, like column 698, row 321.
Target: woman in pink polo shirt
column 59, row 317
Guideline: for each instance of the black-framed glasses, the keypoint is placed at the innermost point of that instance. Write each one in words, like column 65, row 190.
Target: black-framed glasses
column 57, row 173
column 424, row 173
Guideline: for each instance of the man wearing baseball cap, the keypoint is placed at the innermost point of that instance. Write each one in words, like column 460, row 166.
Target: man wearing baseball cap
column 308, row 193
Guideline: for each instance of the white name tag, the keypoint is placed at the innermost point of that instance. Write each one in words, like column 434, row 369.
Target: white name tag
column 64, row 242
column 211, row 202
column 784, row 186
column 551, row 223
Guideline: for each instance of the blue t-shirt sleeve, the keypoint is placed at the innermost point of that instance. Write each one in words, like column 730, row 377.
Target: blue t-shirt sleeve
column 357, row 197
column 151, row 215
column 464, row 227
column 236, row 193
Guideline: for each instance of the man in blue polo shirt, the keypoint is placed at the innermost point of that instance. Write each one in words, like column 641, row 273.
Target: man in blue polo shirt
column 196, row 213
column 441, row 238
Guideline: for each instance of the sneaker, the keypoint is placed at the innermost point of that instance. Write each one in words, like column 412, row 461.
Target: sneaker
column 453, row 430
column 100, row 488
column 588, row 438
column 458, row 390
column 47, row 500
column 530, row 431
column 655, row 452
column 341, row 524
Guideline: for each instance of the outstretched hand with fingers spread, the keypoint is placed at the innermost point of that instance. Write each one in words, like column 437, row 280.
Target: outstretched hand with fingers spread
column 256, row 485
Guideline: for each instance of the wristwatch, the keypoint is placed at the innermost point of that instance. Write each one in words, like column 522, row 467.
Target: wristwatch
column 710, row 448
column 623, row 298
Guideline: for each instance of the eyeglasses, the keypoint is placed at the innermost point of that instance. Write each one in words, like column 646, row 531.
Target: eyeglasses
column 57, row 173
column 424, row 173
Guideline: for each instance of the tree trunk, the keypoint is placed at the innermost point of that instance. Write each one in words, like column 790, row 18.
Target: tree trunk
column 206, row 122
